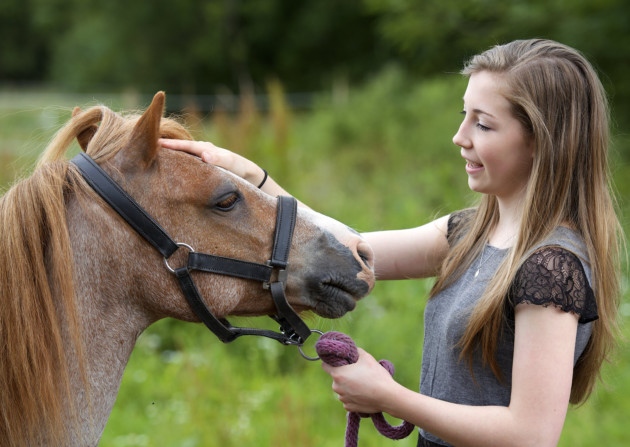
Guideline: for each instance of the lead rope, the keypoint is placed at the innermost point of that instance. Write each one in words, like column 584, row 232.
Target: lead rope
column 337, row 349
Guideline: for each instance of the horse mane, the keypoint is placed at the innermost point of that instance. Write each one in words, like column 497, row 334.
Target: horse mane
column 37, row 300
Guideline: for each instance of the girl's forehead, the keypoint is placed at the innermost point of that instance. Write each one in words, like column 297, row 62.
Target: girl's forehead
column 484, row 93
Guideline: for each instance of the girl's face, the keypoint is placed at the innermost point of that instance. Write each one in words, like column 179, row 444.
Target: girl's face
column 497, row 150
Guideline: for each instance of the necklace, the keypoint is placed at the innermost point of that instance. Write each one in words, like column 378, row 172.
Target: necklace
column 481, row 261
column 494, row 252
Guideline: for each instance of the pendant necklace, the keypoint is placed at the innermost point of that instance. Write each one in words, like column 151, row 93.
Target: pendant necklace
column 481, row 260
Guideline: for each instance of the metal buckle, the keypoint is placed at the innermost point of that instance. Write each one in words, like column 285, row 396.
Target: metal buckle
column 308, row 357
column 179, row 244
column 281, row 276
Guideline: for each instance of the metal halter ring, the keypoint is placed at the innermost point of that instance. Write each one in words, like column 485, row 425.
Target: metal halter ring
column 308, row 357
column 179, row 244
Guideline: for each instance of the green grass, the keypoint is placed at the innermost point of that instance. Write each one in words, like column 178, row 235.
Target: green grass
column 383, row 159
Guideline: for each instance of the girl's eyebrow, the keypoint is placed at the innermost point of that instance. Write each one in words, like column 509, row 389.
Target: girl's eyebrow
column 481, row 112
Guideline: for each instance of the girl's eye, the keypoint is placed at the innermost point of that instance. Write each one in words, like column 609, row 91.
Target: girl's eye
column 228, row 202
column 478, row 125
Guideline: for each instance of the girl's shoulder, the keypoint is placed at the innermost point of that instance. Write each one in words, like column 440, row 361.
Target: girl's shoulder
column 557, row 273
column 458, row 222
column 568, row 240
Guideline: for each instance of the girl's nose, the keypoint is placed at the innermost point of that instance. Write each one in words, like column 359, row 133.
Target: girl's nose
column 460, row 139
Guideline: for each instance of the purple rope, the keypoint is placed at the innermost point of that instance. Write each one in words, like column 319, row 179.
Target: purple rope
column 337, row 349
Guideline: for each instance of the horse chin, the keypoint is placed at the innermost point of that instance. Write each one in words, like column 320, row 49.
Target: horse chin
column 336, row 298
column 333, row 295
column 335, row 309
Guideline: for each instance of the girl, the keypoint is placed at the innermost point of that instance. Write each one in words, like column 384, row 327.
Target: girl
column 523, row 310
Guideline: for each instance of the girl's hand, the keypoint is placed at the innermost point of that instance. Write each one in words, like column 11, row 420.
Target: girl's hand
column 362, row 387
column 218, row 156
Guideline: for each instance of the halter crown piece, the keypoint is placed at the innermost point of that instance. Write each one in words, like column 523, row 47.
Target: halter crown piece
column 293, row 331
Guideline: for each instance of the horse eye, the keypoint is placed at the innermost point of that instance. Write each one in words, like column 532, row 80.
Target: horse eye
column 227, row 202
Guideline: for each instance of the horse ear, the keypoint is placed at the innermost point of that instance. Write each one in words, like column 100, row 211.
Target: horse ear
column 145, row 135
column 85, row 136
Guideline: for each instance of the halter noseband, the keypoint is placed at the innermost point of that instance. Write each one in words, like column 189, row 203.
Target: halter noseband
column 293, row 331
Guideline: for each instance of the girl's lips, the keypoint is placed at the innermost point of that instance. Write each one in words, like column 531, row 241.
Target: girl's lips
column 472, row 167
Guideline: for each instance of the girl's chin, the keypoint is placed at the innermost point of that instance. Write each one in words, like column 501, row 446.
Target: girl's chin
column 475, row 186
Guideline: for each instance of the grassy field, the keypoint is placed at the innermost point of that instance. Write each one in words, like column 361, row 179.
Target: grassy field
column 381, row 158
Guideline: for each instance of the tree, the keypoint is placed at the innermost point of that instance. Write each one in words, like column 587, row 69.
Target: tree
column 196, row 46
column 23, row 55
column 434, row 36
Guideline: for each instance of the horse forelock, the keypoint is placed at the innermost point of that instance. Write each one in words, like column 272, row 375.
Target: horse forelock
column 37, row 299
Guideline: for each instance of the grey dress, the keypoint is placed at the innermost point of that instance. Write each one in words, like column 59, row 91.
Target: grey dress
column 566, row 285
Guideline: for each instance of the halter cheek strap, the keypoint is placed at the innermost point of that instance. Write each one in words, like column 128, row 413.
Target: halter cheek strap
column 293, row 330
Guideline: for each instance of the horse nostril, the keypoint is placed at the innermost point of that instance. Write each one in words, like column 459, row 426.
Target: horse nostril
column 365, row 254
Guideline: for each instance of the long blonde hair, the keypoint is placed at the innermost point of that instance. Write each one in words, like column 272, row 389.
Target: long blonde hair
column 556, row 95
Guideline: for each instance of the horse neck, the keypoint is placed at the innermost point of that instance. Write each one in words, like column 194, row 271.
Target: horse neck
column 108, row 344
column 110, row 326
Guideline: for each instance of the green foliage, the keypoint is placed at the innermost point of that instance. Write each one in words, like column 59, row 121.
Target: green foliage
column 191, row 46
column 200, row 46
column 394, row 127
column 432, row 36
column 21, row 50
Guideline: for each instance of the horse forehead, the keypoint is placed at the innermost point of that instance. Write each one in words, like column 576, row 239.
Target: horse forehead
column 179, row 164
column 181, row 172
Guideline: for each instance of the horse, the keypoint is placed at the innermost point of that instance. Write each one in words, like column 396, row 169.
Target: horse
column 78, row 285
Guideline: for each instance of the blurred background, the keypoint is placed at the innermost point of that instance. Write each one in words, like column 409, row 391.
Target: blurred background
column 350, row 104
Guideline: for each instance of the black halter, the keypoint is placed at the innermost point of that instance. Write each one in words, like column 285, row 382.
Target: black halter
column 293, row 331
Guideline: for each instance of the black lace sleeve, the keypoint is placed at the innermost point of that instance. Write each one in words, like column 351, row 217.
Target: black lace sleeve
column 553, row 276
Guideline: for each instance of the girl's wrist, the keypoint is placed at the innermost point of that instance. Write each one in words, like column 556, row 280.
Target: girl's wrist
column 264, row 179
column 251, row 172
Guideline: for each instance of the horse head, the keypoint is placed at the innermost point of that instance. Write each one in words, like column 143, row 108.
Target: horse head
column 213, row 211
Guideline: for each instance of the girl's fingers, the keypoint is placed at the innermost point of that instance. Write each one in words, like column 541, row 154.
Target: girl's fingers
column 208, row 152
column 192, row 147
column 215, row 155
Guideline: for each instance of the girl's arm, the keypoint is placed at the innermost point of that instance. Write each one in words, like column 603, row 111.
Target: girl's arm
column 399, row 254
column 541, row 385
column 410, row 253
column 229, row 160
